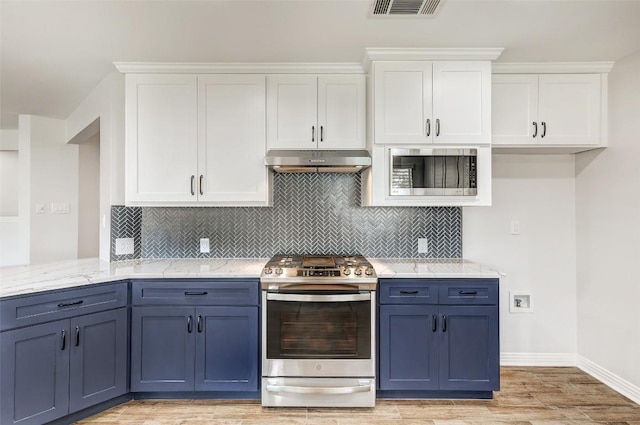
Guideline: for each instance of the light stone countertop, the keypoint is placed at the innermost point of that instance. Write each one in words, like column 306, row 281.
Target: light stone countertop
column 23, row 280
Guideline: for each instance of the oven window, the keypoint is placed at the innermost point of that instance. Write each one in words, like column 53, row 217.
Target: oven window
column 308, row 330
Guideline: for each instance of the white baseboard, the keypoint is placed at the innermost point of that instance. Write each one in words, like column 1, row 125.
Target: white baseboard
column 537, row 359
column 610, row 379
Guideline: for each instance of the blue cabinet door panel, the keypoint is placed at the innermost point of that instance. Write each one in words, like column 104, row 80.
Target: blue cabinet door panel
column 227, row 349
column 162, row 348
column 35, row 374
column 98, row 358
column 408, row 355
column 469, row 348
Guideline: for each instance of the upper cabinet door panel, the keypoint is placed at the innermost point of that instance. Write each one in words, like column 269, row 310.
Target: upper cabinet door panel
column 402, row 102
column 292, row 112
column 462, row 102
column 231, row 139
column 570, row 108
column 515, row 109
column 341, row 112
column 161, row 137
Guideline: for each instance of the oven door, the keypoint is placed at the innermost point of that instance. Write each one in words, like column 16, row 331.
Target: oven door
column 318, row 333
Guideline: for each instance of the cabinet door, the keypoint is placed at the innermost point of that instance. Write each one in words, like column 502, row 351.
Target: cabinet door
column 570, row 108
column 161, row 138
column 98, row 347
column 35, row 373
column 341, row 112
column 231, row 140
column 462, row 102
column 227, row 349
column 292, row 108
column 403, row 102
column 408, row 347
column 162, row 348
column 514, row 109
column 469, row 348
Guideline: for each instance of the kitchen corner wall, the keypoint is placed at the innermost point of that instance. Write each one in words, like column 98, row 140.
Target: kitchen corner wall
column 312, row 213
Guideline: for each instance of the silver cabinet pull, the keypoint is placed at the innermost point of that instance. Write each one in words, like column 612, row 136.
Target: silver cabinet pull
column 322, row 133
column 535, row 129
column 193, row 190
column 428, row 127
column 200, row 185
column 544, row 129
column 313, row 133
column 437, row 127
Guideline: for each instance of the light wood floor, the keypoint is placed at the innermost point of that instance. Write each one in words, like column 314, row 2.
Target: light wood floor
column 529, row 396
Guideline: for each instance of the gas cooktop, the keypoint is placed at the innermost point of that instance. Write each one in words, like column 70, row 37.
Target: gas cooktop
column 318, row 269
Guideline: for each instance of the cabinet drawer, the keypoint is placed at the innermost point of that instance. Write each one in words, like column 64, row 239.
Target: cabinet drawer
column 469, row 292
column 195, row 292
column 408, row 291
column 33, row 309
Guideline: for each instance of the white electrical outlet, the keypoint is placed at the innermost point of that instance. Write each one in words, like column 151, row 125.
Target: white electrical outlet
column 515, row 227
column 40, row 209
column 60, row 208
column 204, row 245
column 124, row 246
column 423, row 245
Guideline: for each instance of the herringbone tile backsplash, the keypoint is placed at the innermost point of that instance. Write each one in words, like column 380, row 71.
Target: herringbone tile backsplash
column 312, row 213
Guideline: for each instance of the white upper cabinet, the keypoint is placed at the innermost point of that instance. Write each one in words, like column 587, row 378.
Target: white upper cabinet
column 569, row 109
column 196, row 140
column 316, row 112
column 432, row 102
column 548, row 110
column 231, row 140
column 403, row 102
column 161, row 138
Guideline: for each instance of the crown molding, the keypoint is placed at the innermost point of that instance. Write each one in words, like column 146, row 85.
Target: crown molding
column 428, row 54
column 238, row 68
column 551, row 67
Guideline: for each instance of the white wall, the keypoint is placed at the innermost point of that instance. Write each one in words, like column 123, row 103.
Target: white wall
column 54, row 179
column 539, row 192
column 9, row 183
column 89, row 198
column 9, row 199
column 608, row 235
column 105, row 102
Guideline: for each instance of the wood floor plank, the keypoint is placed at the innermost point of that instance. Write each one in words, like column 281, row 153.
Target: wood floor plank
column 528, row 396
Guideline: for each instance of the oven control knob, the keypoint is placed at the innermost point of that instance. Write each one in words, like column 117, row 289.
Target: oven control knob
column 347, row 272
column 268, row 270
column 278, row 270
column 368, row 272
column 358, row 272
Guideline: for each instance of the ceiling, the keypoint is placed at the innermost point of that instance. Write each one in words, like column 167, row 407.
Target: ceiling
column 53, row 53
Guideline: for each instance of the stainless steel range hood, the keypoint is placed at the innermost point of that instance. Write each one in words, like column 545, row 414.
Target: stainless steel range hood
column 317, row 161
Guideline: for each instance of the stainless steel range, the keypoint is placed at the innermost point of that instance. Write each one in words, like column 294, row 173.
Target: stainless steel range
column 318, row 329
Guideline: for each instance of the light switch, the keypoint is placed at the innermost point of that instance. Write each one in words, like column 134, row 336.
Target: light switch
column 60, row 208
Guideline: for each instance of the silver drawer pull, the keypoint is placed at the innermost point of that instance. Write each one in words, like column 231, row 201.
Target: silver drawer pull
column 318, row 390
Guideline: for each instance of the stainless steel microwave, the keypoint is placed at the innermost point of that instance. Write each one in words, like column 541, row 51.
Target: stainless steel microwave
column 433, row 172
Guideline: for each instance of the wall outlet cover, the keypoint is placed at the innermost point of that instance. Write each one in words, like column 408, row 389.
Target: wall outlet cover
column 423, row 245
column 124, row 246
column 204, row 245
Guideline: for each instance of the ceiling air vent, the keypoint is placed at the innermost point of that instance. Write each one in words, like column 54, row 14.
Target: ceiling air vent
column 405, row 7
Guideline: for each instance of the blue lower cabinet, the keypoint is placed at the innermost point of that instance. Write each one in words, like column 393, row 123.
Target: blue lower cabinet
column 99, row 352
column 408, row 348
column 35, row 374
column 162, row 348
column 469, row 348
column 194, row 349
column 430, row 347
column 227, row 349
column 60, row 367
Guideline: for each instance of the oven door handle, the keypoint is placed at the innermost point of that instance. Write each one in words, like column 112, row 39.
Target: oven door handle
column 318, row 390
column 318, row 298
